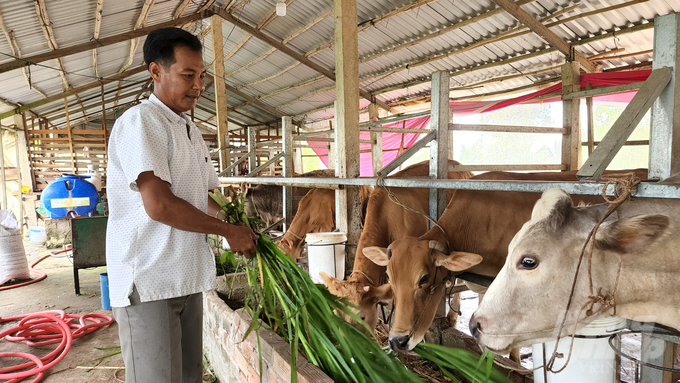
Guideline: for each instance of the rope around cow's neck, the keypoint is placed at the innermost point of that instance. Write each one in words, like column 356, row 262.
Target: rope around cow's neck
column 380, row 182
column 623, row 188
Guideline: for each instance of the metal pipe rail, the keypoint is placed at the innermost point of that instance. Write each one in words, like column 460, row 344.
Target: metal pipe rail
column 645, row 189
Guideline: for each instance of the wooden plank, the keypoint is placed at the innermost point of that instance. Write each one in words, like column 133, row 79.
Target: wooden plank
column 220, row 91
column 507, row 168
column 70, row 138
column 125, row 36
column 408, row 153
column 603, row 91
column 537, row 27
column 590, row 123
column 625, row 124
column 439, row 147
column 506, row 128
column 287, row 125
column 571, row 140
column 252, row 147
column 377, row 148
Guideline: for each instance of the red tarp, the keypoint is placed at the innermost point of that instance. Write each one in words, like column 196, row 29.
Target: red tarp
column 393, row 142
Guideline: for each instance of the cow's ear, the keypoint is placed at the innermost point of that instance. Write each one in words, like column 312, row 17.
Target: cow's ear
column 552, row 209
column 632, row 235
column 330, row 282
column 380, row 293
column 244, row 188
column 458, row 260
column 376, row 254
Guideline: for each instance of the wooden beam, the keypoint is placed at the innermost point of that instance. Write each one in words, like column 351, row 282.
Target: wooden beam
column 377, row 148
column 406, row 154
column 623, row 127
column 70, row 136
column 181, row 8
column 287, row 142
column 62, row 52
column 290, row 52
column 255, row 101
column 439, row 147
column 95, row 36
column 220, row 91
column 347, row 201
column 79, row 89
column 46, row 25
column 541, row 30
column 506, row 128
column 571, row 117
column 603, row 90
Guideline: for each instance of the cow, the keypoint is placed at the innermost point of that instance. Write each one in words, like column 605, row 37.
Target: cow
column 316, row 214
column 636, row 246
column 479, row 226
column 266, row 201
column 385, row 222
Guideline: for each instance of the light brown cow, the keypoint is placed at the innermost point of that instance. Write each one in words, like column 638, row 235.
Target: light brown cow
column 641, row 237
column 385, row 222
column 476, row 223
column 316, row 214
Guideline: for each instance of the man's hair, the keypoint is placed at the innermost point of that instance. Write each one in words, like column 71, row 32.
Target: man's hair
column 160, row 44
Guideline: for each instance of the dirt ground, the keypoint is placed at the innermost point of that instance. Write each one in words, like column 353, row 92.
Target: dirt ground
column 56, row 292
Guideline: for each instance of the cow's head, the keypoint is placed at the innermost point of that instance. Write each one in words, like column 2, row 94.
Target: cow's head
column 363, row 296
column 525, row 304
column 316, row 214
column 419, row 270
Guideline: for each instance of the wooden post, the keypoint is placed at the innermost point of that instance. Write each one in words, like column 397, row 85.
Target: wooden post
column 220, row 91
column 591, row 123
column 106, row 136
column 3, row 175
column 70, row 136
column 287, row 140
column 348, row 200
column 252, row 148
column 571, row 141
column 664, row 140
column 439, row 147
column 376, row 141
column 22, row 148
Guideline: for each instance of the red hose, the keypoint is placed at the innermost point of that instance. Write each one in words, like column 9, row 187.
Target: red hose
column 42, row 274
column 41, row 329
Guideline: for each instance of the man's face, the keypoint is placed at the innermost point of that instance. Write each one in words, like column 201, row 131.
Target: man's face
column 180, row 85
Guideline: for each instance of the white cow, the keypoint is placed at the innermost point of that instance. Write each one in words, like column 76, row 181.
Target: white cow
column 526, row 302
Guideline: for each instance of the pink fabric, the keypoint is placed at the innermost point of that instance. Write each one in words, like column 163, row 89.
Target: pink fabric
column 392, row 142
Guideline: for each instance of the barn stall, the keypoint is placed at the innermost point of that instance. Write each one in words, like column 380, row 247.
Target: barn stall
column 69, row 71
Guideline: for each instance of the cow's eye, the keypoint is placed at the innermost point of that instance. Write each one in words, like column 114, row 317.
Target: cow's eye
column 424, row 280
column 528, row 263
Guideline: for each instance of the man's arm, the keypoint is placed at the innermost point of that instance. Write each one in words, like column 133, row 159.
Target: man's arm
column 163, row 206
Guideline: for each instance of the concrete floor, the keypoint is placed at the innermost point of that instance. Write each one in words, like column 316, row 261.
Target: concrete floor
column 56, row 292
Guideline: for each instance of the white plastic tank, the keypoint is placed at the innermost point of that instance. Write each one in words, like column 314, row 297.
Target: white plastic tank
column 95, row 179
column 326, row 252
column 592, row 359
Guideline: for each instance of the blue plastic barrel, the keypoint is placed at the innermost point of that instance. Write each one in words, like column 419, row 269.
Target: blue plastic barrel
column 70, row 195
column 104, row 285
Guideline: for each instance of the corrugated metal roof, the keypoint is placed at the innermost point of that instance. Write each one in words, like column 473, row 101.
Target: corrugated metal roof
column 73, row 23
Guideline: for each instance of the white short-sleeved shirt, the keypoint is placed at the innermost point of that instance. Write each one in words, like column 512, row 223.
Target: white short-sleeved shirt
column 161, row 261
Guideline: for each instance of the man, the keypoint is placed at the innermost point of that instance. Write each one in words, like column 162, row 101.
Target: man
column 159, row 262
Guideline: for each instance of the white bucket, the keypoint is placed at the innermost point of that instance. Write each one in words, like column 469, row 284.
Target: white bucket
column 37, row 235
column 592, row 359
column 326, row 252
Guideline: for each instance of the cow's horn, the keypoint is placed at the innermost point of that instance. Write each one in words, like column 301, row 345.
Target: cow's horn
column 436, row 245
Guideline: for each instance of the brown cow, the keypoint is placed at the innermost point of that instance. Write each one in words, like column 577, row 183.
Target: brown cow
column 266, row 201
column 385, row 222
column 316, row 214
column 477, row 223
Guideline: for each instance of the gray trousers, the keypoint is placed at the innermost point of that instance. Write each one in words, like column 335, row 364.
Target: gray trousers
column 162, row 341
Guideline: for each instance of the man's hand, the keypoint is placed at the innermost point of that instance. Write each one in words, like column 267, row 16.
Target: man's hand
column 241, row 240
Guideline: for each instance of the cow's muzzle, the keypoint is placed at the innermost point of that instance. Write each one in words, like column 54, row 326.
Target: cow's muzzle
column 475, row 327
column 399, row 343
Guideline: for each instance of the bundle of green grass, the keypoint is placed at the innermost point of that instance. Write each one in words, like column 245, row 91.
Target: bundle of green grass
column 303, row 312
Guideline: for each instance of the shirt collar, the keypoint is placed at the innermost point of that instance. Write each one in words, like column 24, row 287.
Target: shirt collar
column 172, row 116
